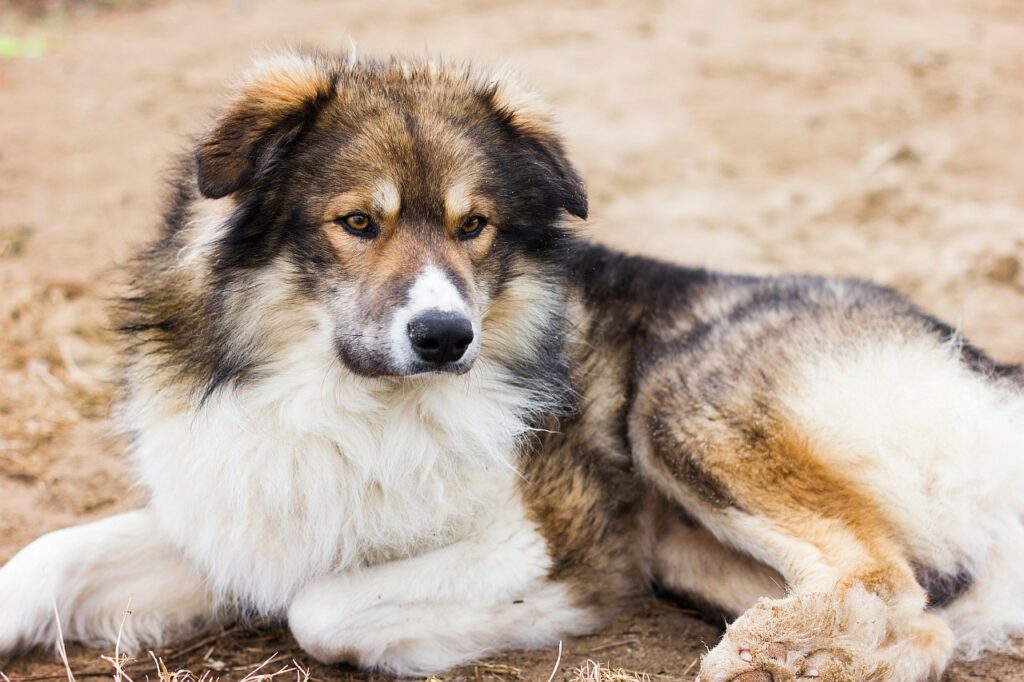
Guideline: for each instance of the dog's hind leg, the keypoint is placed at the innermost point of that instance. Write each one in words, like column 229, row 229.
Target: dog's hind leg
column 433, row 611
column 89, row 574
column 854, row 609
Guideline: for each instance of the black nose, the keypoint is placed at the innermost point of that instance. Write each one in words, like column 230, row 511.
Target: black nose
column 439, row 336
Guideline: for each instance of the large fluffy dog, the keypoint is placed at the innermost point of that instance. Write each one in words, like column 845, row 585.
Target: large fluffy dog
column 376, row 387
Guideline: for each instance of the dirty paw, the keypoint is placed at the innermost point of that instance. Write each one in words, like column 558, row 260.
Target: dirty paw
column 774, row 662
column 811, row 637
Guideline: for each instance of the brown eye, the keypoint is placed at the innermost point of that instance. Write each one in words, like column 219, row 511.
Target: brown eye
column 472, row 226
column 358, row 224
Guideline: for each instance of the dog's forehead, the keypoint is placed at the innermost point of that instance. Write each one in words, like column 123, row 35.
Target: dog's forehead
column 428, row 153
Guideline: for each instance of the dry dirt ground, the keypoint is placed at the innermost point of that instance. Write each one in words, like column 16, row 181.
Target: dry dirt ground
column 881, row 139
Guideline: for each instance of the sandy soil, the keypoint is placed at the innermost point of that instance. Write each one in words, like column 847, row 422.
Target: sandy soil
column 881, row 139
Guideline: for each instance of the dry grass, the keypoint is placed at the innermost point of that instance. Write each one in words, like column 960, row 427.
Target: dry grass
column 260, row 673
column 123, row 668
column 121, row 662
column 264, row 672
column 591, row 671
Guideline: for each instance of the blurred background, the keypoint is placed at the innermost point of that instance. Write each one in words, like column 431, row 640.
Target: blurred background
column 882, row 139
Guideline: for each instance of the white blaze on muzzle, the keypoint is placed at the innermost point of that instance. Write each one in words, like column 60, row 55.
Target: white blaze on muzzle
column 433, row 289
column 435, row 327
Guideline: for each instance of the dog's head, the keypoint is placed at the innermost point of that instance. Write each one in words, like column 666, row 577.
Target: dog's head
column 403, row 198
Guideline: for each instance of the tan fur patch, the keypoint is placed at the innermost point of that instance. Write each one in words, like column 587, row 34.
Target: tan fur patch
column 459, row 201
column 387, row 200
column 355, row 201
column 802, row 489
column 285, row 81
column 274, row 91
column 507, row 323
column 528, row 112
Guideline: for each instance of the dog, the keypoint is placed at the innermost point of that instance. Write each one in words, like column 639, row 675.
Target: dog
column 378, row 387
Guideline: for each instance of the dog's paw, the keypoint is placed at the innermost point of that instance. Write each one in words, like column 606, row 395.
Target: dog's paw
column 810, row 637
column 8, row 635
column 27, row 617
column 777, row 662
column 21, row 625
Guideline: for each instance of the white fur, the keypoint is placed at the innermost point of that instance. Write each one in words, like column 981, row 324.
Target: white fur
column 432, row 611
column 433, row 290
column 942, row 449
column 204, row 231
column 90, row 574
column 458, row 200
column 313, row 470
column 387, row 199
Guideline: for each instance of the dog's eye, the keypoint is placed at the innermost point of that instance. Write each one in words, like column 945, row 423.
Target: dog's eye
column 472, row 226
column 357, row 223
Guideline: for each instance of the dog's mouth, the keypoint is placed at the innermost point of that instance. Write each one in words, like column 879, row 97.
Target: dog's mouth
column 418, row 353
column 456, row 368
column 373, row 369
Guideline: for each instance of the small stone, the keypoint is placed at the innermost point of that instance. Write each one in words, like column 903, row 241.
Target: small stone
column 1004, row 269
column 746, row 655
column 13, row 240
column 811, row 672
column 886, row 153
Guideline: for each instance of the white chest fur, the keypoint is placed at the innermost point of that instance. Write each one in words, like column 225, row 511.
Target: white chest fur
column 312, row 470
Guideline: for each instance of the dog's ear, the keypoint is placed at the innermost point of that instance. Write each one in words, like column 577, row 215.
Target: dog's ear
column 535, row 126
column 274, row 100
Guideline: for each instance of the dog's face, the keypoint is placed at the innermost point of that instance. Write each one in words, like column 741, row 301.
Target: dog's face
column 402, row 199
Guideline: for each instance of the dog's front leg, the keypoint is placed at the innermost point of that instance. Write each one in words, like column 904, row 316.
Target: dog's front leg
column 89, row 574
column 436, row 610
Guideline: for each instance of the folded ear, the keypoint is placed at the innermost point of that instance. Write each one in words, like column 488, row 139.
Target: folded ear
column 523, row 111
column 275, row 98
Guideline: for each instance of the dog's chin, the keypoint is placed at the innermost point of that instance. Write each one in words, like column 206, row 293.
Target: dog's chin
column 408, row 365
column 422, row 368
column 372, row 367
